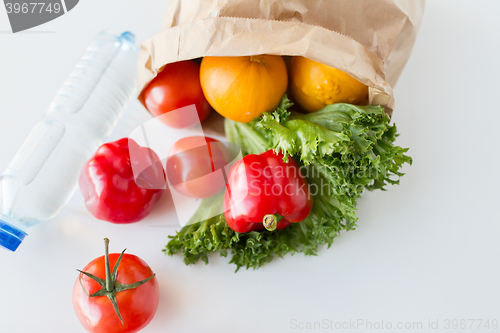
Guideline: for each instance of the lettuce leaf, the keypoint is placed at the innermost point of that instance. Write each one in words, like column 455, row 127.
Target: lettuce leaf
column 342, row 150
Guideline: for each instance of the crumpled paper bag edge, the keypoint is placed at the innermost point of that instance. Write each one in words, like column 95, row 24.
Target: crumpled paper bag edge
column 380, row 91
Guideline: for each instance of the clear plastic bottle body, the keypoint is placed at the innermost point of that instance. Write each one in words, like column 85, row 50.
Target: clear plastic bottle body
column 44, row 173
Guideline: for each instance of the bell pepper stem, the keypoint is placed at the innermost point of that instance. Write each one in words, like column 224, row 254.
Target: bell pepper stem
column 270, row 222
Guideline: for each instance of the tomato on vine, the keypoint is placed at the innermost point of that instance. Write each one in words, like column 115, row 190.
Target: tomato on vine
column 123, row 300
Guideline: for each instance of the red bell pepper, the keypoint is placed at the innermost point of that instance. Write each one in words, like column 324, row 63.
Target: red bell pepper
column 108, row 185
column 265, row 192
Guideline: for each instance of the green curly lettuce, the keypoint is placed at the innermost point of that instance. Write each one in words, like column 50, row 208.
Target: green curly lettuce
column 342, row 150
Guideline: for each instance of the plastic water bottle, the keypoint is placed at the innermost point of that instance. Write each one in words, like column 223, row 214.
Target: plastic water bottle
column 44, row 173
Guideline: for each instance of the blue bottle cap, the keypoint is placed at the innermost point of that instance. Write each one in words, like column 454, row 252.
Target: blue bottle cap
column 10, row 236
column 128, row 36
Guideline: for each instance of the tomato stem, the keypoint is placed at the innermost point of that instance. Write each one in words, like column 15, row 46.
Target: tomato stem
column 270, row 222
column 109, row 283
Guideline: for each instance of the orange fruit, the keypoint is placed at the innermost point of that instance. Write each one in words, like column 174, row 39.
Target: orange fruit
column 242, row 88
column 314, row 85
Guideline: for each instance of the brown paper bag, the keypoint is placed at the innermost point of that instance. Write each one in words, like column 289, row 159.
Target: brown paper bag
column 369, row 39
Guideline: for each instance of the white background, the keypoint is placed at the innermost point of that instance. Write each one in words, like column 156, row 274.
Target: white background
column 427, row 249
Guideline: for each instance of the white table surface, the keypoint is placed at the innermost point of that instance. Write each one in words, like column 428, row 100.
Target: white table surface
column 425, row 250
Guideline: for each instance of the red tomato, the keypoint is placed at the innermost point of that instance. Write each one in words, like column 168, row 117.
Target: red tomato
column 137, row 306
column 194, row 166
column 176, row 86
